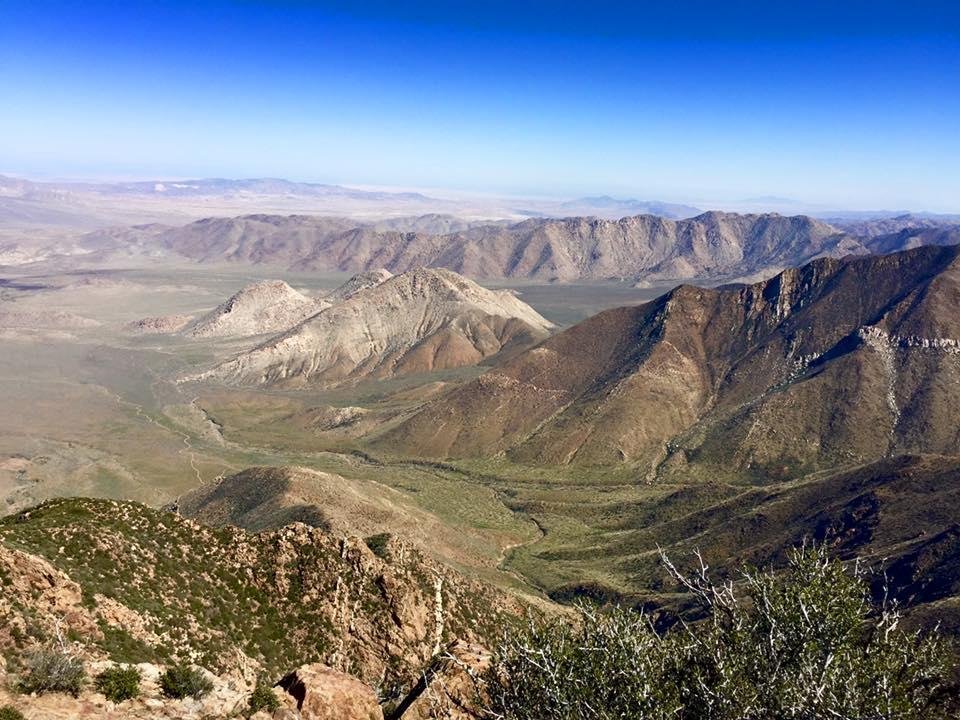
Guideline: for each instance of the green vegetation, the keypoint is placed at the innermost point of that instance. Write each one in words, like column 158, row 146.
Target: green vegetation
column 52, row 669
column 802, row 644
column 10, row 713
column 183, row 681
column 263, row 698
column 119, row 683
column 378, row 545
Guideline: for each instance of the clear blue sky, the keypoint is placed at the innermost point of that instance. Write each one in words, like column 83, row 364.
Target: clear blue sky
column 847, row 103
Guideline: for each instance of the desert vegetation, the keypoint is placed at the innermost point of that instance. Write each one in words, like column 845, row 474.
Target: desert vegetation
column 806, row 642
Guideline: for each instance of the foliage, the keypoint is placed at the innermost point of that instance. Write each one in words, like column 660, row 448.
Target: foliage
column 119, row 683
column 10, row 713
column 52, row 669
column 182, row 681
column 806, row 643
column 263, row 698
column 379, row 545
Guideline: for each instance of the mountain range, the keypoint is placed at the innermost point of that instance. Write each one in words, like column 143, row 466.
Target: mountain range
column 712, row 247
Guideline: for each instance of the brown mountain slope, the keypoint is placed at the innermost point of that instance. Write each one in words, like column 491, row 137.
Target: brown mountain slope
column 838, row 361
column 416, row 322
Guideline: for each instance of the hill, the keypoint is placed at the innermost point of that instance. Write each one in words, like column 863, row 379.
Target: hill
column 416, row 322
column 269, row 306
column 141, row 585
column 837, row 362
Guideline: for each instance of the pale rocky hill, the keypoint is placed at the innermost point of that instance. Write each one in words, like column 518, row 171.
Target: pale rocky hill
column 422, row 320
column 269, row 306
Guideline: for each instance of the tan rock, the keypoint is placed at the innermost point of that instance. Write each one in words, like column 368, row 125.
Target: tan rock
column 319, row 692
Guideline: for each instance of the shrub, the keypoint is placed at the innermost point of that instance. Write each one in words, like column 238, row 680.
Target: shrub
column 182, row 681
column 379, row 545
column 52, row 670
column 119, row 683
column 804, row 643
column 263, row 698
column 10, row 713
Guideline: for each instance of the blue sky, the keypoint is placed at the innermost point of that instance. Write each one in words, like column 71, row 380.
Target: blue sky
column 843, row 103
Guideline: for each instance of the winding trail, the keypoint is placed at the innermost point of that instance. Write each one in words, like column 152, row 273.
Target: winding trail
column 188, row 446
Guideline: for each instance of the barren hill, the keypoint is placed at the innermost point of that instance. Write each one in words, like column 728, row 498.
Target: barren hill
column 837, row 362
column 419, row 321
column 269, row 306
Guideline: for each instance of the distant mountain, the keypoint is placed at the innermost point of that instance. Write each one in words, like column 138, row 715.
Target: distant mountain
column 872, row 228
column 416, row 322
column 614, row 208
column 838, row 362
column 713, row 246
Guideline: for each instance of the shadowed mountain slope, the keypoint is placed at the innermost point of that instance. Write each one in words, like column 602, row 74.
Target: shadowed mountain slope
column 836, row 362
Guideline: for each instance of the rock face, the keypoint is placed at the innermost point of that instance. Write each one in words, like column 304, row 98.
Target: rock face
column 319, row 692
column 270, row 306
column 835, row 362
column 419, row 321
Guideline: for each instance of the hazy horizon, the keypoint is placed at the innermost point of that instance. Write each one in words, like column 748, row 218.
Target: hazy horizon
column 853, row 107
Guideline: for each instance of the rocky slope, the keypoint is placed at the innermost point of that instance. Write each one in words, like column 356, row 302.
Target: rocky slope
column 419, row 321
column 138, row 585
column 269, row 306
column 840, row 361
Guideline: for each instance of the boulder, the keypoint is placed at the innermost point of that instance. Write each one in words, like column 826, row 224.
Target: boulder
column 321, row 693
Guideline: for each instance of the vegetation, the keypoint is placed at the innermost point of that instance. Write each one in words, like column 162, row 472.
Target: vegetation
column 183, row 681
column 379, row 545
column 52, row 669
column 802, row 644
column 263, row 698
column 119, row 683
column 10, row 713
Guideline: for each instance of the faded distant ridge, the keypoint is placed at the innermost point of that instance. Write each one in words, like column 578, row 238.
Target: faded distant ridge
column 837, row 362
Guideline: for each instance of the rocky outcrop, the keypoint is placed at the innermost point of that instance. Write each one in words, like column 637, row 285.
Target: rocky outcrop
column 318, row 692
column 358, row 283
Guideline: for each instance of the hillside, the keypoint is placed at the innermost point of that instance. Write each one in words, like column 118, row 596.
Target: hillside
column 837, row 362
column 140, row 585
column 269, row 306
column 416, row 322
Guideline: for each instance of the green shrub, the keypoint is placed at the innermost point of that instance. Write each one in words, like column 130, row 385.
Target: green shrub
column 52, row 670
column 119, row 683
column 10, row 713
column 802, row 644
column 182, row 681
column 379, row 545
column 263, row 698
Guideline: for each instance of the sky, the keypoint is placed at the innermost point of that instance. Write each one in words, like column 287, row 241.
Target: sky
column 844, row 103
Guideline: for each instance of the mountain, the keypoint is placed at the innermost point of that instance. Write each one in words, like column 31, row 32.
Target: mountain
column 835, row 363
column 872, row 226
column 912, row 237
column 269, row 306
column 415, row 322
